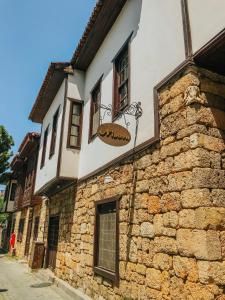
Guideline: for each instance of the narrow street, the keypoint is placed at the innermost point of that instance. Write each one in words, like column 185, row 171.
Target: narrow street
column 17, row 283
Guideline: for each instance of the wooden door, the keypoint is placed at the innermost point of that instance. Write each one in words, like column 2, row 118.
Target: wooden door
column 29, row 230
column 53, row 234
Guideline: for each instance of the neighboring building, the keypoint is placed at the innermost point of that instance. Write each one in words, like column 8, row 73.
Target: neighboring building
column 8, row 208
column 143, row 222
column 9, row 196
column 27, row 207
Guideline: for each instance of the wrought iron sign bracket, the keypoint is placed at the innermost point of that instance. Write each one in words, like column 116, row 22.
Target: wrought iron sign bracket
column 134, row 109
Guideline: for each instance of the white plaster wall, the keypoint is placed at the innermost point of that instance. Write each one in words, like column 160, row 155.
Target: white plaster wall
column 70, row 157
column 4, row 206
column 157, row 47
column 10, row 206
column 75, row 88
column 207, row 18
column 48, row 171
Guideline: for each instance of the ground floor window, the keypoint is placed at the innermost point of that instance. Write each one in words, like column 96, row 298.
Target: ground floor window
column 53, row 236
column 36, row 225
column 107, row 238
column 20, row 230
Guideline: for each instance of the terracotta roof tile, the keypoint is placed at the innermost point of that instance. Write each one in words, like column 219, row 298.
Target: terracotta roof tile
column 41, row 106
column 87, row 30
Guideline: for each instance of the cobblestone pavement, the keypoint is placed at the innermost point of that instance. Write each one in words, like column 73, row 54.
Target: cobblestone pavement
column 17, row 283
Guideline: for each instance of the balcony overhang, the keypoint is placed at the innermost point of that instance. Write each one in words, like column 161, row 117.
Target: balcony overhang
column 212, row 55
column 16, row 163
column 55, row 186
column 29, row 143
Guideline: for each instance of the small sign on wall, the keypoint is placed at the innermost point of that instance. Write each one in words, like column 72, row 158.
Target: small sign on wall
column 108, row 179
column 114, row 134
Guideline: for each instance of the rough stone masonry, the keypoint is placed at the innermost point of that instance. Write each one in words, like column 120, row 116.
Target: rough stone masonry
column 172, row 237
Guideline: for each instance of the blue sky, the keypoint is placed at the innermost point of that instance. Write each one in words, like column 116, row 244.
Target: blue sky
column 32, row 34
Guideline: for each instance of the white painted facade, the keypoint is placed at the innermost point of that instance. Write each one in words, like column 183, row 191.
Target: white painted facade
column 207, row 19
column 156, row 49
column 70, row 157
column 68, row 167
column 49, row 170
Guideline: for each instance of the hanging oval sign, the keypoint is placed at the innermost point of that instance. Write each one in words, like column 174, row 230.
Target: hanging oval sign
column 114, row 134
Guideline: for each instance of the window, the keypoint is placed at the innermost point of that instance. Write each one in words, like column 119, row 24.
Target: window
column 44, row 147
column 75, row 125
column 36, row 226
column 54, row 133
column 121, row 80
column 95, row 110
column 6, row 195
column 13, row 191
column 107, row 239
column 31, row 163
column 20, row 231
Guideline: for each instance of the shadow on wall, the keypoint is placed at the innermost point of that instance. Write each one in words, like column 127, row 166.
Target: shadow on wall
column 211, row 111
column 63, row 204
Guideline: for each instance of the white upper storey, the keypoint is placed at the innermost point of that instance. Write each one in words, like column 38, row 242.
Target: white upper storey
column 157, row 47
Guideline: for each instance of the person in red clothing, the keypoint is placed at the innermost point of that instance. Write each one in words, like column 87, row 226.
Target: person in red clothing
column 12, row 243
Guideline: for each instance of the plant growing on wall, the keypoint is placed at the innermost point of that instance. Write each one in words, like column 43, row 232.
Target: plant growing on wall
column 6, row 143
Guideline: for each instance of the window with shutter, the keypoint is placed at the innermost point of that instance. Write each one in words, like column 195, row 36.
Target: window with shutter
column 54, row 133
column 107, row 238
column 121, row 81
column 20, row 231
column 95, row 110
column 13, row 191
column 44, row 146
column 36, row 226
column 75, row 125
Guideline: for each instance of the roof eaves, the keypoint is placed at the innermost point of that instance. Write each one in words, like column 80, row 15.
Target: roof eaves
column 54, row 66
column 87, row 30
column 29, row 137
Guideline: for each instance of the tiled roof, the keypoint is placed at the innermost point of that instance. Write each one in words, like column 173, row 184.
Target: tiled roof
column 54, row 77
column 87, row 30
column 30, row 140
column 102, row 19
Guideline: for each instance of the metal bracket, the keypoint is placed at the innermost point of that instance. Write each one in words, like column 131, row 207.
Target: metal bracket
column 134, row 109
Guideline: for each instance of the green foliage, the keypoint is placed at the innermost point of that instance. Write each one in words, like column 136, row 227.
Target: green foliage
column 6, row 142
column 1, row 203
column 3, row 216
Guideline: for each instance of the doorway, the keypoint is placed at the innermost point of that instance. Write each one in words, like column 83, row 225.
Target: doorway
column 53, row 234
column 29, row 230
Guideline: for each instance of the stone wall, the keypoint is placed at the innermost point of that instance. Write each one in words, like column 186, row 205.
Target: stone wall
column 172, row 232
column 20, row 245
column 42, row 212
column 1, row 236
column 38, row 210
column 62, row 204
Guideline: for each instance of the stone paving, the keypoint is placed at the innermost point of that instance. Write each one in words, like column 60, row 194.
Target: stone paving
column 17, row 283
